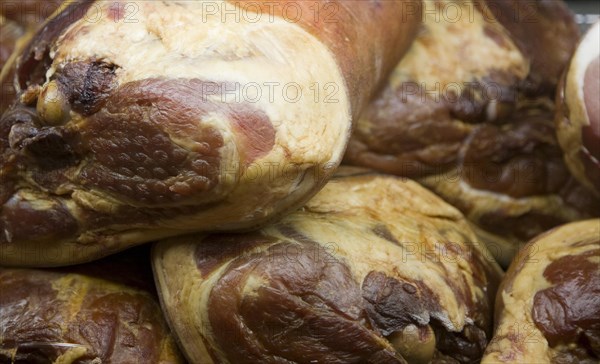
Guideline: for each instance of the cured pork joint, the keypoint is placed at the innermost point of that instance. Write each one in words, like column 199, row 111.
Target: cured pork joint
column 137, row 120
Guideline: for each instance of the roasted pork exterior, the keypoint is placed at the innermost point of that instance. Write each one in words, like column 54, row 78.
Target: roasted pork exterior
column 101, row 312
column 548, row 305
column 374, row 269
column 128, row 129
column 469, row 113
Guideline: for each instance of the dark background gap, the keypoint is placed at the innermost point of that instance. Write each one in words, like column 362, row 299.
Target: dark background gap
column 586, row 12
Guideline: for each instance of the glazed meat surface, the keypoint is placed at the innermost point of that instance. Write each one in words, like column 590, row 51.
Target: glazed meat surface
column 469, row 113
column 127, row 129
column 548, row 305
column 374, row 269
column 101, row 312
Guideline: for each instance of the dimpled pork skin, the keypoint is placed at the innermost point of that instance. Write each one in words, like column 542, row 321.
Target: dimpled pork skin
column 140, row 120
column 101, row 312
column 469, row 113
column 578, row 112
column 374, row 269
column 548, row 304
